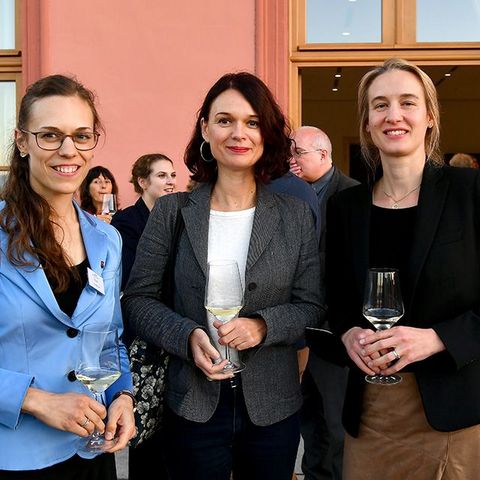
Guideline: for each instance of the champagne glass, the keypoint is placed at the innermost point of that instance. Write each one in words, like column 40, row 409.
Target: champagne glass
column 97, row 368
column 383, row 307
column 224, row 299
column 109, row 204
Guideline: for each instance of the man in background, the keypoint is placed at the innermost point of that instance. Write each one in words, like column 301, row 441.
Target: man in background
column 323, row 383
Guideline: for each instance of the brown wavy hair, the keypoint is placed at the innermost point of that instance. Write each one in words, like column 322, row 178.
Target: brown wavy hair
column 142, row 168
column 27, row 217
column 274, row 128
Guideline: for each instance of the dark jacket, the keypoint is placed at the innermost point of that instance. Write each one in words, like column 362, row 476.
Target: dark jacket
column 442, row 290
column 130, row 222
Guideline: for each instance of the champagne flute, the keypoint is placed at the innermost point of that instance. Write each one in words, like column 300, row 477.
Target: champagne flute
column 109, row 204
column 224, row 300
column 383, row 307
column 97, row 368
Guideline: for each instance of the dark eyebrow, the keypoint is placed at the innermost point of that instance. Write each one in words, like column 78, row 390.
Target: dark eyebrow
column 228, row 113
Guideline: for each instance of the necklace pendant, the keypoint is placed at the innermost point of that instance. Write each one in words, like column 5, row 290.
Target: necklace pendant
column 395, row 206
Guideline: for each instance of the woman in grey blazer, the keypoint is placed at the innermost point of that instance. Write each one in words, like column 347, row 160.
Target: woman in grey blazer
column 217, row 423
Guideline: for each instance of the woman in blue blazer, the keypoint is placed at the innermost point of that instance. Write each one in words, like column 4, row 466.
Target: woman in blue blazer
column 422, row 219
column 59, row 273
column 217, row 423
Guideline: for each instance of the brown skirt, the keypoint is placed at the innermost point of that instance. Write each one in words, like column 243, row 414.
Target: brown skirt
column 397, row 443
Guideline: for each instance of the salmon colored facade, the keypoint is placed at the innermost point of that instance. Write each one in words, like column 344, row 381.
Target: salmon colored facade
column 150, row 63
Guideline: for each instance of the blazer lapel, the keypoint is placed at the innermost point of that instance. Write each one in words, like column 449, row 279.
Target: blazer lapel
column 360, row 235
column 96, row 246
column 196, row 215
column 264, row 226
column 431, row 202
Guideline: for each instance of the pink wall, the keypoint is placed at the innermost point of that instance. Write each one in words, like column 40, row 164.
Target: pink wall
column 150, row 62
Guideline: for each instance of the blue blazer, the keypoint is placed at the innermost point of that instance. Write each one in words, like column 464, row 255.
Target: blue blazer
column 39, row 345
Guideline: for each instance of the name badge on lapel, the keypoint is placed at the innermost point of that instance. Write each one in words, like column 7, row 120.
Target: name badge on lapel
column 95, row 281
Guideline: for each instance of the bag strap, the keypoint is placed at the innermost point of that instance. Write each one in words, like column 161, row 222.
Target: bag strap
column 168, row 281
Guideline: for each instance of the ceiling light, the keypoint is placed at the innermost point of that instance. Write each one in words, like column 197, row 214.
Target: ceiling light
column 448, row 74
column 338, row 75
column 334, row 89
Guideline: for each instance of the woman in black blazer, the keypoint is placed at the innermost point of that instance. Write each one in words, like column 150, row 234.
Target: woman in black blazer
column 153, row 176
column 423, row 219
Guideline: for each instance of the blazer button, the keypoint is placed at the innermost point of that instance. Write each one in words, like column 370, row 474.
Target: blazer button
column 71, row 376
column 252, row 286
column 72, row 332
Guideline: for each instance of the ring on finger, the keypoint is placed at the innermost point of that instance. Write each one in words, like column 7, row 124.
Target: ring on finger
column 86, row 422
column 395, row 354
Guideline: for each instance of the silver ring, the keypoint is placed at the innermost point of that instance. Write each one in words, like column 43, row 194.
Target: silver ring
column 395, row 354
column 209, row 379
column 86, row 422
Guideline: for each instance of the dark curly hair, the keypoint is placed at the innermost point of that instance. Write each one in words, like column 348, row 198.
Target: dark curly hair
column 274, row 128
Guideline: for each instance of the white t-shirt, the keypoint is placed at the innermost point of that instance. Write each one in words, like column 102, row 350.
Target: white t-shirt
column 228, row 239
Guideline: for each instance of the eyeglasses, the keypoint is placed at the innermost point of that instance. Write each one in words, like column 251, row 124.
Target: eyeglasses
column 83, row 141
column 298, row 153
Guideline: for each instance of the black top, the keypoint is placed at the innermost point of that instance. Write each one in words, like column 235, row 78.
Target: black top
column 391, row 238
column 67, row 300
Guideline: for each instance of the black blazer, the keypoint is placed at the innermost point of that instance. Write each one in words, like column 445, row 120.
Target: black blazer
column 442, row 290
column 130, row 222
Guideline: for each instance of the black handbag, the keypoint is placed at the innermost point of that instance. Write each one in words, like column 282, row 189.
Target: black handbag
column 149, row 363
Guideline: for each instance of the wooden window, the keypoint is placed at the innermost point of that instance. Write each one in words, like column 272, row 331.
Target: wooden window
column 10, row 75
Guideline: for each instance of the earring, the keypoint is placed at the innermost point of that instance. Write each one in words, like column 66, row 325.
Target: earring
column 23, row 154
column 205, row 159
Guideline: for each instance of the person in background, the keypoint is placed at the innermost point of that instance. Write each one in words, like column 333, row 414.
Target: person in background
column 323, row 383
column 423, row 219
column 216, row 422
column 153, row 175
column 463, row 160
column 50, row 251
column 98, row 181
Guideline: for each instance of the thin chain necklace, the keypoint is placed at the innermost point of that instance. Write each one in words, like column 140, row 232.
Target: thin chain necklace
column 397, row 201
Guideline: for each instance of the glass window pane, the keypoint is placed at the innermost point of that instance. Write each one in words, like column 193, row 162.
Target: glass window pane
column 448, row 21
column 7, row 24
column 7, row 119
column 344, row 21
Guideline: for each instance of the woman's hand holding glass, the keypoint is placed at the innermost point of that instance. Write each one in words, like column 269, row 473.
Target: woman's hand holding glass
column 242, row 332
column 206, row 356
column 66, row 411
column 411, row 344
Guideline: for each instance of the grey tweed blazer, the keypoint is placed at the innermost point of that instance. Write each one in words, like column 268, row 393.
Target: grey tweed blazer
column 282, row 285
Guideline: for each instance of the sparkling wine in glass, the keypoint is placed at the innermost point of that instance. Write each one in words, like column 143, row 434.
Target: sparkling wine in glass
column 109, row 204
column 97, row 368
column 383, row 307
column 224, row 299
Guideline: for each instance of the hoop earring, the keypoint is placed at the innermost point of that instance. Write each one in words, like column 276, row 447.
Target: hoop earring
column 23, row 154
column 205, row 159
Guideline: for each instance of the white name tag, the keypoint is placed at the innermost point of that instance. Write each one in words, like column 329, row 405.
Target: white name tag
column 95, row 281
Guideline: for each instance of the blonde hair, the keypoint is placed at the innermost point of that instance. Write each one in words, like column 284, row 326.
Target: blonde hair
column 432, row 138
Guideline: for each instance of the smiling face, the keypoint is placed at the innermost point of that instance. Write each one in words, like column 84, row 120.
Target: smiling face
column 57, row 172
column 233, row 132
column 161, row 181
column 397, row 115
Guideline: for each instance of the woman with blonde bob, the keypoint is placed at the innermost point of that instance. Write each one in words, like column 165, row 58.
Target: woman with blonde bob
column 423, row 219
